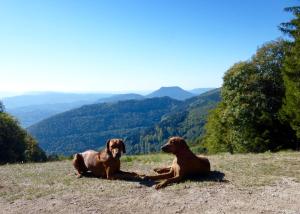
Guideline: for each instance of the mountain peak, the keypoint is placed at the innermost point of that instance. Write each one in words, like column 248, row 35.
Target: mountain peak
column 174, row 92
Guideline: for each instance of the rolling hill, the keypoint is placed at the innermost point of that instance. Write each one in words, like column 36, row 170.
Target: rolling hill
column 29, row 115
column 121, row 97
column 32, row 108
column 144, row 124
column 41, row 98
column 199, row 91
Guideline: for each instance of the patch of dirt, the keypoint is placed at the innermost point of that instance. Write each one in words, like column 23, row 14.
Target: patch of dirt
column 131, row 197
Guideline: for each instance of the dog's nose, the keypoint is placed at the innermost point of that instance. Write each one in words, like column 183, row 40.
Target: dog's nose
column 164, row 148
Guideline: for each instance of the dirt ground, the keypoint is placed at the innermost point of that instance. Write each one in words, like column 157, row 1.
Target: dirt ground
column 265, row 183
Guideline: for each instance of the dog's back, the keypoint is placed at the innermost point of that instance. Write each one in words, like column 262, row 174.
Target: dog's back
column 90, row 158
column 204, row 164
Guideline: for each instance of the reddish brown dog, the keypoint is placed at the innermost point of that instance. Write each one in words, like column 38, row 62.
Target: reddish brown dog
column 186, row 163
column 105, row 164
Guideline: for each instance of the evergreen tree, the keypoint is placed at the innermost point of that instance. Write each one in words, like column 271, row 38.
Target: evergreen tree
column 2, row 109
column 292, row 70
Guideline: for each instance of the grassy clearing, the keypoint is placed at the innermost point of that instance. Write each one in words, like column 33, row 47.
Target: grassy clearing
column 31, row 181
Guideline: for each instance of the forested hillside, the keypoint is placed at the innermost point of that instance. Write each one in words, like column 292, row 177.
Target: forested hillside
column 90, row 126
column 16, row 144
column 186, row 120
column 144, row 124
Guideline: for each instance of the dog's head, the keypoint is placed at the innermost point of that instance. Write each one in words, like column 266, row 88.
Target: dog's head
column 115, row 147
column 175, row 145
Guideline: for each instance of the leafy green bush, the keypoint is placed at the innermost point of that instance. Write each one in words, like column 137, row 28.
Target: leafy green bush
column 16, row 144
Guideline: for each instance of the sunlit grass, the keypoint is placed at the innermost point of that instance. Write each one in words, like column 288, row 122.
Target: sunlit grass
column 34, row 180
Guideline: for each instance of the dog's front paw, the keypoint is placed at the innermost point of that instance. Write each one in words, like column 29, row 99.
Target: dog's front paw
column 160, row 185
column 156, row 169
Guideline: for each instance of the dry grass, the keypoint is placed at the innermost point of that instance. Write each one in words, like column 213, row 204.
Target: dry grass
column 56, row 180
column 31, row 181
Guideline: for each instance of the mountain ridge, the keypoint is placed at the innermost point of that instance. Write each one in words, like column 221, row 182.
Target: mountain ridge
column 34, row 107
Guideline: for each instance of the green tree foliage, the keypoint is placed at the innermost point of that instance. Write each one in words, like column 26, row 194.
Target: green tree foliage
column 1, row 107
column 292, row 71
column 247, row 119
column 16, row 144
column 187, row 120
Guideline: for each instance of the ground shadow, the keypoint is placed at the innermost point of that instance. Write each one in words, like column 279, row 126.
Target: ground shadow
column 148, row 183
column 215, row 176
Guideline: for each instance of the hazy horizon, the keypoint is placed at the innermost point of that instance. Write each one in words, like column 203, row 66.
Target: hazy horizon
column 6, row 94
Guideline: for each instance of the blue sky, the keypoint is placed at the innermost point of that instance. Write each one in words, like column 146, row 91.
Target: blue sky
column 129, row 45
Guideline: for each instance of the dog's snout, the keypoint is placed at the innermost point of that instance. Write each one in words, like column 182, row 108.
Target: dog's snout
column 118, row 155
column 164, row 148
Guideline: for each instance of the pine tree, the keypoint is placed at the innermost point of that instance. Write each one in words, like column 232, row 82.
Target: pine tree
column 291, row 70
column 2, row 108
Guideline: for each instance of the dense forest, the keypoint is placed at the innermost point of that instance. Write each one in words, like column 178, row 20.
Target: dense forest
column 260, row 103
column 186, row 120
column 16, row 145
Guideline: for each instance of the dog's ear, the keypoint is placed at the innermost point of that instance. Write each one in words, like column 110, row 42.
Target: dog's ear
column 107, row 145
column 123, row 147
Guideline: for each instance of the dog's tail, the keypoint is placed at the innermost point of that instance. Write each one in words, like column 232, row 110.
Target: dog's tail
column 78, row 163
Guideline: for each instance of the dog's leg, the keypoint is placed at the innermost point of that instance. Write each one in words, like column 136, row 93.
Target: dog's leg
column 78, row 163
column 168, row 181
column 161, row 176
column 162, row 170
column 109, row 174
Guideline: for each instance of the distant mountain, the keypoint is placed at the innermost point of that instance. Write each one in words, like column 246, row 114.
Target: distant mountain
column 50, row 98
column 34, row 107
column 199, row 91
column 4, row 94
column 174, row 92
column 45, row 105
column 90, row 126
column 144, row 124
column 121, row 97
column 29, row 115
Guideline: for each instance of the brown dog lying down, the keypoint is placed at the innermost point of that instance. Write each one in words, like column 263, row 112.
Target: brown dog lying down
column 186, row 163
column 105, row 164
